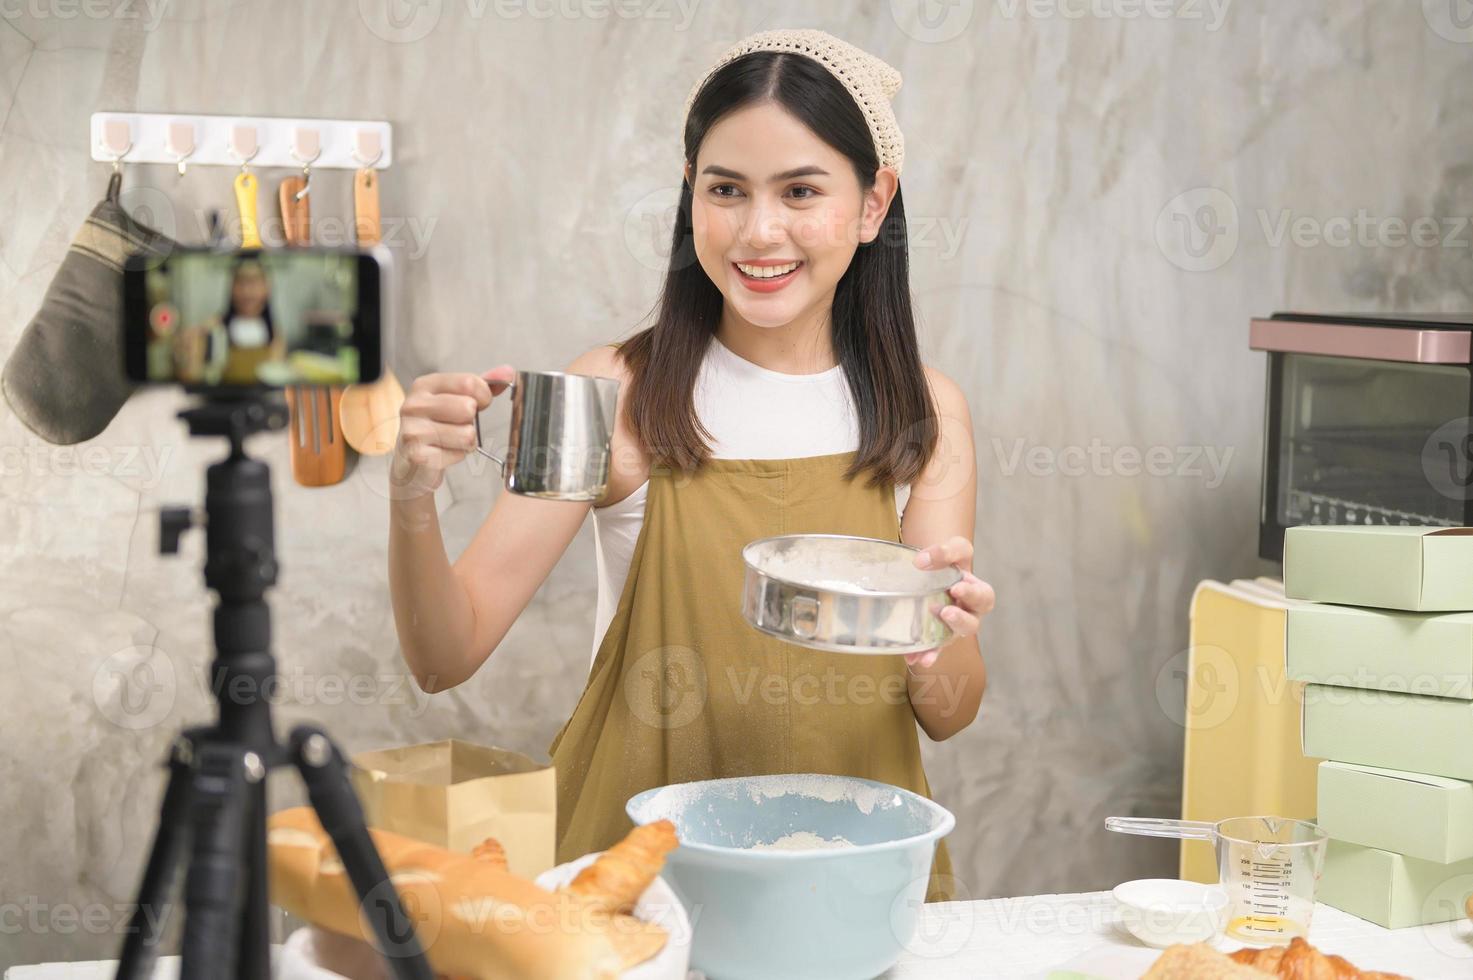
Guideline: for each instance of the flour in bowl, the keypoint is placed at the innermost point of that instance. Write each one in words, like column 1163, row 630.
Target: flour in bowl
column 802, row 840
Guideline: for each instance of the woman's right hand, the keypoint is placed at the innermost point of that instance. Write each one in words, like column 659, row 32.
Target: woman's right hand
column 437, row 426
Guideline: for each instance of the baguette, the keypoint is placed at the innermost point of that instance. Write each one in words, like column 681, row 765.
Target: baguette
column 473, row 918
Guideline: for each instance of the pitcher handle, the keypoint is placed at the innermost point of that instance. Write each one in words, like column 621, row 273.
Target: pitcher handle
column 484, row 452
column 1158, row 827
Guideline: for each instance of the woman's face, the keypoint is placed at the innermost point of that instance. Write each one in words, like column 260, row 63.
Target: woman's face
column 767, row 195
column 249, row 290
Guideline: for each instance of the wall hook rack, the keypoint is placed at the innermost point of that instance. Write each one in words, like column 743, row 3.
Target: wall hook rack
column 266, row 141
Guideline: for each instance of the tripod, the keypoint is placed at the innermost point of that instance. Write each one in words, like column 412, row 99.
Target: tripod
column 216, row 797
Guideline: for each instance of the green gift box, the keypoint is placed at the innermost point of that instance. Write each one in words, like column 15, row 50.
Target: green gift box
column 1412, row 653
column 1429, row 818
column 1392, row 890
column 1422, row 569
column 1405, row 732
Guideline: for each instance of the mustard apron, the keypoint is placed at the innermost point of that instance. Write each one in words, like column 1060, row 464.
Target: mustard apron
column 683, row 688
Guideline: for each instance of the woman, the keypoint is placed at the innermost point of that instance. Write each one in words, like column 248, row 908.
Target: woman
column 247, row 324
column 780, row 390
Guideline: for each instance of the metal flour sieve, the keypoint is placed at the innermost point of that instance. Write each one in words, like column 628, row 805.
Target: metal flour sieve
column 845, row 594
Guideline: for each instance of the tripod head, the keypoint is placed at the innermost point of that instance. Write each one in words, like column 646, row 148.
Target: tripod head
column 235, row 413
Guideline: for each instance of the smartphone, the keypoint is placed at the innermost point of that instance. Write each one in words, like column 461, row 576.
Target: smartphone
column 254, row 318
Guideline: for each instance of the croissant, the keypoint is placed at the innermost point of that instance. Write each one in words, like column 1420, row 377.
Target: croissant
column 1198, row 962
column 620, row 875
column 1301, row 961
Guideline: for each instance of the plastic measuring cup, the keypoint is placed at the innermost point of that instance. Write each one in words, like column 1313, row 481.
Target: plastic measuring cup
column 1268, row 866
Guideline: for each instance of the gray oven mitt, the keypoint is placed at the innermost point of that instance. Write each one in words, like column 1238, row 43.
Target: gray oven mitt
column 65, row 379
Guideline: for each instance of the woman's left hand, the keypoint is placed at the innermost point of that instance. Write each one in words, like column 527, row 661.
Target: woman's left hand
column 972, row 597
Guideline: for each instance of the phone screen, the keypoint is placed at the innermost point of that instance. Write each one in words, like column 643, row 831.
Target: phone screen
column 253, row 318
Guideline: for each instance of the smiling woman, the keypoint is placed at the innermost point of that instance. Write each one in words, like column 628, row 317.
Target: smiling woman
column 780, row 390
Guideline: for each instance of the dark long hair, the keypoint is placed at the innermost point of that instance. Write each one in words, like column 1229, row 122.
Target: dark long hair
column 874, row 334
column 231, row 312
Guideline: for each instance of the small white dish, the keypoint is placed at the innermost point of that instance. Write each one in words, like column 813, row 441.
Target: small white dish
column 1161, row 912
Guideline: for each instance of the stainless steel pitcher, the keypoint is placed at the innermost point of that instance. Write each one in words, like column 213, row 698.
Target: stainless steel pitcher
column 562, row 426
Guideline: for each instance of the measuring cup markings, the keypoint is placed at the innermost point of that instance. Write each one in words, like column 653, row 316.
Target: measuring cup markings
column 1269, row 867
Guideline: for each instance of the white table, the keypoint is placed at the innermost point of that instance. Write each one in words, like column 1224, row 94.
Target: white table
column 1029, row 937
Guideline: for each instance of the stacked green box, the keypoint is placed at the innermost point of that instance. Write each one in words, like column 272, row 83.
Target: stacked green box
column 1384, row 644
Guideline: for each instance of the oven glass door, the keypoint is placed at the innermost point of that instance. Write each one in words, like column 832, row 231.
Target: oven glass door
column 1372, row 442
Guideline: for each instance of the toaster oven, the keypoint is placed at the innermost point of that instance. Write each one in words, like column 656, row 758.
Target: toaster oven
column 1366, row 421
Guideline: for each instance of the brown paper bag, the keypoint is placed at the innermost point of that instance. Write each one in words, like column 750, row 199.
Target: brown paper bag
column 455, row 794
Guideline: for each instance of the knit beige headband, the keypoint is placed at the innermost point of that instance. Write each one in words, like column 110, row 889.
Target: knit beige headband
column 869, row 80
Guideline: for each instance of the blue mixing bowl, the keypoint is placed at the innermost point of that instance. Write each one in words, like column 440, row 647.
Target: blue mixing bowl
column 829, row 913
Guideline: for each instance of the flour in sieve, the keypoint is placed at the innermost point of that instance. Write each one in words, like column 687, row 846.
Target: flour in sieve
column 817, row 571
column 852, row 567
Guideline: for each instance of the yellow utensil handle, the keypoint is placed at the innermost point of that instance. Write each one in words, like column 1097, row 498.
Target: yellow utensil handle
column 245, row 198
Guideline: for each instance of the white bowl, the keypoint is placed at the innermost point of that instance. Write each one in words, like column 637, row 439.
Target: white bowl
column 1161, row 912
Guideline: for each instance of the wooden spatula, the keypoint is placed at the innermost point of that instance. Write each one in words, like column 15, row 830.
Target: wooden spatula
column 371, row 411
column 319, row 454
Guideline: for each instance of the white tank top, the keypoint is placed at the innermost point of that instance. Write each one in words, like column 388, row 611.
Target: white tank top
column 752, row 413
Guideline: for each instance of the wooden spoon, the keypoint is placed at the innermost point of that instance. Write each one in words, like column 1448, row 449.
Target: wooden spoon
column 318, row 453
column 371, row 411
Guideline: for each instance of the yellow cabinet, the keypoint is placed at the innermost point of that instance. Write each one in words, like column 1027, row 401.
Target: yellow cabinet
column 1242, row 754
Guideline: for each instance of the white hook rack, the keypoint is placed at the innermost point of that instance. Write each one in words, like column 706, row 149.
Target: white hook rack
column 262, row 141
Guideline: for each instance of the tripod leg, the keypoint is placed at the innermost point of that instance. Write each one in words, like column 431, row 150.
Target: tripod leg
column 255, row 932
column 214, row 887
column 145, row 925
column 337, row 806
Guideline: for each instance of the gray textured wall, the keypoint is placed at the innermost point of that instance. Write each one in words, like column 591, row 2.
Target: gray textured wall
column 1049, row 145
